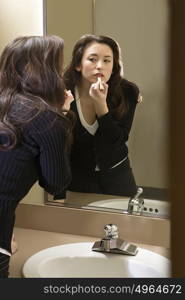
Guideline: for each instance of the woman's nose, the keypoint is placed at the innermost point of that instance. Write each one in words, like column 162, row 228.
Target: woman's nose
column 99, row 64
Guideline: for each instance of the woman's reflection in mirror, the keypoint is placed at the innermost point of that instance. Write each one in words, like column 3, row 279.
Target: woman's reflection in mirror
column 34, row 128
column 104, row 105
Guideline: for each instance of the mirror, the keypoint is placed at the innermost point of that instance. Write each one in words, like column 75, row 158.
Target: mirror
column 141, row 28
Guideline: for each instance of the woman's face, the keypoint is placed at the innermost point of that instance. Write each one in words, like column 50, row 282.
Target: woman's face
column 97, row 61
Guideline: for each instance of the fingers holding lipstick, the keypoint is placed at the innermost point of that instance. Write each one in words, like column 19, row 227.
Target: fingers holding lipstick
column 98, row 89
column 98, row 94
column 101, row 87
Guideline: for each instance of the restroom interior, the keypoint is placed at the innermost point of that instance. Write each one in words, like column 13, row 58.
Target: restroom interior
column 167, row 168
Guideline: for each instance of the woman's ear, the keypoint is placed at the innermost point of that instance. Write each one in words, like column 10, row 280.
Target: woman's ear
column 78, row 68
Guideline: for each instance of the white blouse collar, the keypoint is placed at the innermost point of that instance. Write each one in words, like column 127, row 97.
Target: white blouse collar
column 90, row 128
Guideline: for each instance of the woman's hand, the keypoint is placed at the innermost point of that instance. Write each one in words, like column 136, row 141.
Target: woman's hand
column 14, row 245
column 140, row 98
column 98, row 92
column 68, row 99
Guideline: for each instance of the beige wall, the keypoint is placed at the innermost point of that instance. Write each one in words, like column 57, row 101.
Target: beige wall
column 69, row 19
column 19, row 17
column 22, row 17
column 141, row 28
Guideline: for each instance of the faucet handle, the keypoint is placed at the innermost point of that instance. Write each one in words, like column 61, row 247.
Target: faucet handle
column 139, row 192
column 112, row 244
column 136, row 202
column 111, row 231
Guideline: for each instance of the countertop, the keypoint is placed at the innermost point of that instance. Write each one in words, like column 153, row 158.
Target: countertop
column 31, row 241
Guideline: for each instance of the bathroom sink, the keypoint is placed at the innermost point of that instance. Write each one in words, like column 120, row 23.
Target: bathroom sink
column 156, row 207
column 79, row 261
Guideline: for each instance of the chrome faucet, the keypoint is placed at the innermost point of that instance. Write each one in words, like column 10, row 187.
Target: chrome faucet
column 136, row 204
column 112, row 244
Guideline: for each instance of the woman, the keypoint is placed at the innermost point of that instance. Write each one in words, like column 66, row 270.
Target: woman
column 34, row 127
column 104, row 104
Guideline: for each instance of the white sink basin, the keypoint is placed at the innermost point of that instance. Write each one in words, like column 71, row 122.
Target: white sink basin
column 156, row 207
column 79, row 261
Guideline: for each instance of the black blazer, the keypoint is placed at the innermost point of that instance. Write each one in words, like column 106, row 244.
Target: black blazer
column 108, row 146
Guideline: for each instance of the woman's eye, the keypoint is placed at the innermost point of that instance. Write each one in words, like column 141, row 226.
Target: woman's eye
column 107, row 61
column 92, row 59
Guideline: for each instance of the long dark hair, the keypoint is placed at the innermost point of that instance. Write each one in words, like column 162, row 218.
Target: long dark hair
column 30, row 82
column 117, row 93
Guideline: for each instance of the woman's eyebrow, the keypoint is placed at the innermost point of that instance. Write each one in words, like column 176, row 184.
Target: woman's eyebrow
column 94, row 54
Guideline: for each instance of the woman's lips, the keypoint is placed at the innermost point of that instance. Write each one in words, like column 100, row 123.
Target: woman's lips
column 99, row 75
